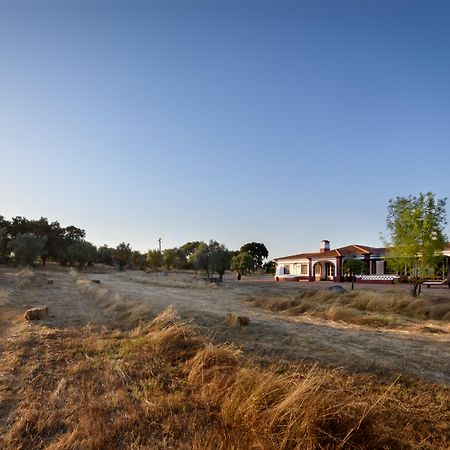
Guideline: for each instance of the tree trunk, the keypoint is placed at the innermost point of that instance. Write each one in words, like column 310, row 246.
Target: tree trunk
column 353, row 281
column 415, row 289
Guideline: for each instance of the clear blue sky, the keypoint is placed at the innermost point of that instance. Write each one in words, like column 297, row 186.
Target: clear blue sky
column 285, row 122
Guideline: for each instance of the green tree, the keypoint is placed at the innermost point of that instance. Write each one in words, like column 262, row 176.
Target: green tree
column 258, row 252
column 54, row 245
column 351, row 267
column 154, row 259
column 416, row 235
column 169, row 258
column 105, row 255
column 27, row 247
column 243, row 263
column 139, row 259
column 200, row 258
column 70, row 235
column 4, row 225
column 186, row 251
column 219, row 259
column 122, row 255
column 269, row 267
column 81, row 252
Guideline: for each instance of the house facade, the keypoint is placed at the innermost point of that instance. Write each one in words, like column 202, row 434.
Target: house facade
column 327, row 263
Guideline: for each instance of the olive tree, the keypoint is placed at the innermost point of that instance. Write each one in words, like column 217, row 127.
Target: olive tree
column 155, row 259
column 122, row 255
column 243, row 263
column 27, row 247
column 81, row 252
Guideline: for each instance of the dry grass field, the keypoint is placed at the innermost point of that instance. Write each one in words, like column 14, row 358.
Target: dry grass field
column 114, row 366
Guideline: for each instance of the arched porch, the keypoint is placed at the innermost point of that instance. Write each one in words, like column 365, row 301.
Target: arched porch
column 324, row 270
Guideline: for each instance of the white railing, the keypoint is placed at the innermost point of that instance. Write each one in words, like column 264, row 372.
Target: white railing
column 377, row 277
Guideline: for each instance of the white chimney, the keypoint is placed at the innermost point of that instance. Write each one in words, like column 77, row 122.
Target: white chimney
column 324, row 246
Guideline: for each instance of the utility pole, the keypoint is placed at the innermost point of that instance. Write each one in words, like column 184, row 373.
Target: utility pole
column 159, row 243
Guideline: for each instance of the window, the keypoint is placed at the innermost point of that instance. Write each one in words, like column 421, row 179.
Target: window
column 304, row 269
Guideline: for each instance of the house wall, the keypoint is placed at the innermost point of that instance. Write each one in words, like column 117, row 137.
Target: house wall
column 298, row 267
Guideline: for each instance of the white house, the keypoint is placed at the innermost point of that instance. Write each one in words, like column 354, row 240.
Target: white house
column 327, row 264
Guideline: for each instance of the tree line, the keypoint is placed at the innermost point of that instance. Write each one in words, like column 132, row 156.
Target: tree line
column 24, row 242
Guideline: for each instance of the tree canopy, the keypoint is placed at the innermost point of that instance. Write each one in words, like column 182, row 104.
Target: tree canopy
column 416, row 235
column 257, row 251
column 242, row 263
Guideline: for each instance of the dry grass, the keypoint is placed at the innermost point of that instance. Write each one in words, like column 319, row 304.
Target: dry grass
column 122, row 308
column 234, row 320
column 363, row 307
column 172, row 279
column 162, row 386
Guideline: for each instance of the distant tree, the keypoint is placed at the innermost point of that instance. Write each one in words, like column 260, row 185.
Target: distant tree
column 416, row 235
column 351, row 267
column 70, row 235
column 154, row 259
column 54, row 246
column 139, row 260
column 190, row 247
column 169, row 258
column 211, row 258
column 257, row 251
column 81, row 252
column 27, row 247
column 269, row 267
column 200, row 258
column 105, row 255
column 19, row 225
column 186, row 252
column 243, row 263
column 219, row 259
column 122, row 255
column 4, row 225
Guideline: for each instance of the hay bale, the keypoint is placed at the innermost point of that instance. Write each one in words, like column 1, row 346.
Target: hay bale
column 49, row 281
column 233, row 319
column 96, row 281
column 36, row 313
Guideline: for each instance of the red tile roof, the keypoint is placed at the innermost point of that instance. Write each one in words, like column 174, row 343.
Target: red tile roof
column 349, row 250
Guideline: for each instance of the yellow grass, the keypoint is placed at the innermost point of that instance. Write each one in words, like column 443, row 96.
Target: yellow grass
column 163, row 386
column 360, row 306
column 124, row 310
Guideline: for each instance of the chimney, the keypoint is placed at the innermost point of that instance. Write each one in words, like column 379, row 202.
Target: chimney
column 324, row 246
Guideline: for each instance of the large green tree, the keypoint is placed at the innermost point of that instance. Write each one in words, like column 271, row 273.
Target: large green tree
column 416, row 235
column 219, row 258
column 242, row 263
column 257, row 251
column 105, row 255
column 211, row 258
column 81, row 252
column 200, row 258
column 122, row 255
column 155, row 259
column 27, row 247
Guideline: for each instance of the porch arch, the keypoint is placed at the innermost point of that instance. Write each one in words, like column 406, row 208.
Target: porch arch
column 324, row 270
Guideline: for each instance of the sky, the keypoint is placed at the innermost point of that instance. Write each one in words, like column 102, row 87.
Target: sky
column 282, row 122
